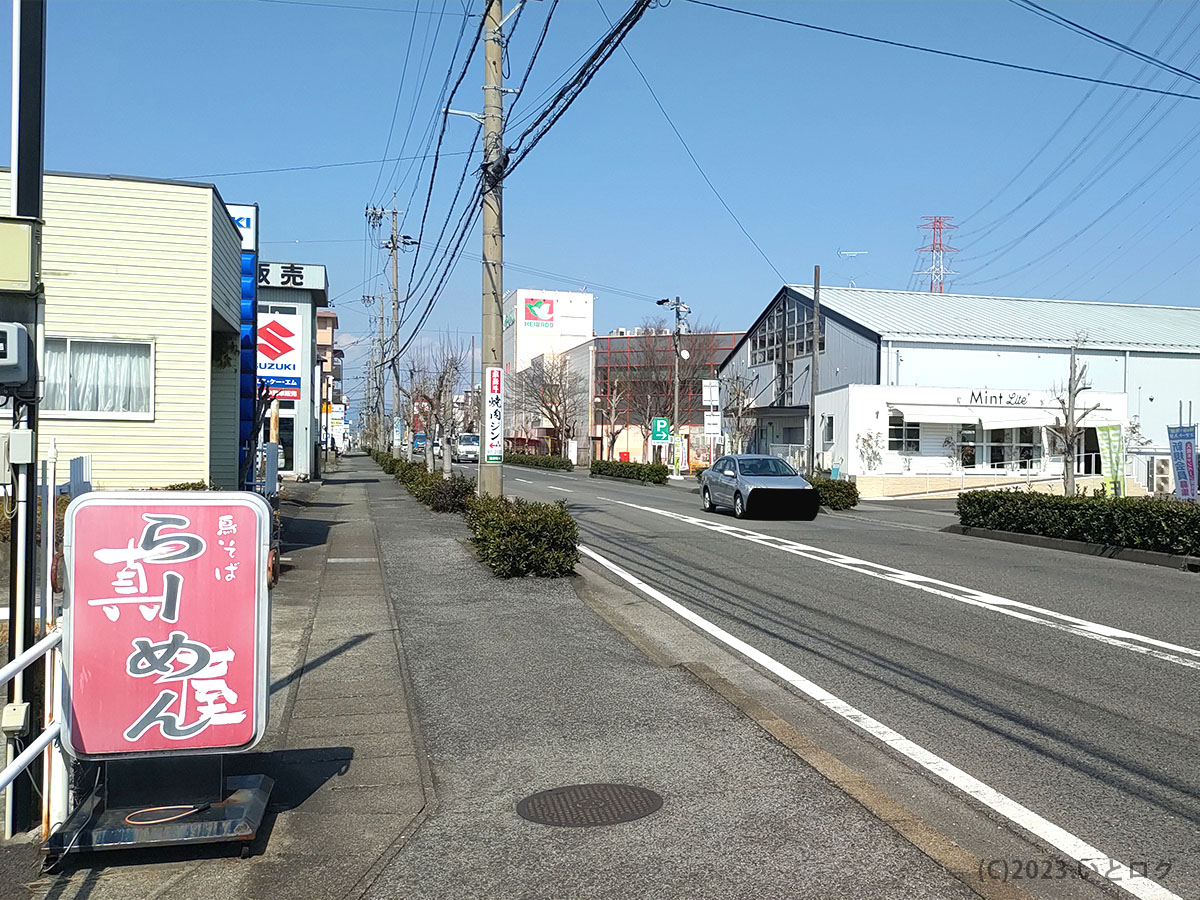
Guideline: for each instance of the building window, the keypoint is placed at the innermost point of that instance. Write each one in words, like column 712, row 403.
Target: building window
column 827, row 432
column 967, row 437
column 903, row 436
column 99, row 379
column 1017, row 447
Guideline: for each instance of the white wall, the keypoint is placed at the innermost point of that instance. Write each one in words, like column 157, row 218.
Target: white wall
column 862, row 409
column 525, row 336
column 1168, row 377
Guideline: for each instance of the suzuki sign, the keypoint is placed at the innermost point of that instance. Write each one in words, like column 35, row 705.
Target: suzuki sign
column 279, row 358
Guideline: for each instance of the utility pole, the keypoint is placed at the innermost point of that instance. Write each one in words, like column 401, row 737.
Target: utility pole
column 681, row 309
column 28, row 309
column 491, row 473
column 813, row 385
column 379, row 396
column 394, row 247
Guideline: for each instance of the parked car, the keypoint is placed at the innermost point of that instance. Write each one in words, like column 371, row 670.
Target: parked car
column 748, row 483
column 466, row 448
column 437, row 449
column 419, row 442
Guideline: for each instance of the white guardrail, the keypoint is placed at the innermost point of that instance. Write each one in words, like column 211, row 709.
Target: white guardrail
column 54, row 788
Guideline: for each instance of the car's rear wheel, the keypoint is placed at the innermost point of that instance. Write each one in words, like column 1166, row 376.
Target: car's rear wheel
column 739, row 506
column 706, row 501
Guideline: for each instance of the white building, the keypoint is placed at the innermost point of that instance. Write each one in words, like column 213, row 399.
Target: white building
column 929, row 392
column 538, row 322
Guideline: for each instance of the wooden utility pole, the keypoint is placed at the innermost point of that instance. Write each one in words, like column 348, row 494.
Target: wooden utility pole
column 382, row 437
column 813, row 386
column 394, row 246
column 491, row 475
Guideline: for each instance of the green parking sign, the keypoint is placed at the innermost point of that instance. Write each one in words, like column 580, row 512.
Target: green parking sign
column 660, row 430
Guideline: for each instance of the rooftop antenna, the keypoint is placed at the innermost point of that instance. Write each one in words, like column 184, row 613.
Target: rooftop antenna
column 851, row 254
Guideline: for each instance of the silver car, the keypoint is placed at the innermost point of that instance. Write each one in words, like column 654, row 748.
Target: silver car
column 748, row 483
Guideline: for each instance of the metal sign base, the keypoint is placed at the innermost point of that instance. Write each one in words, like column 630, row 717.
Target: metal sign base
column 214, row 807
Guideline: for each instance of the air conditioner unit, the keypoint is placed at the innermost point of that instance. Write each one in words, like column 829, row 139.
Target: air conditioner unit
column 1162, row 475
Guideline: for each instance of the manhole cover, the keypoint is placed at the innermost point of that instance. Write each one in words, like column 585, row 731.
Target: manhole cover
column 583, row 805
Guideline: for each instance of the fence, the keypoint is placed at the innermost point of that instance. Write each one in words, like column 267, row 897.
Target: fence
column 48, row 649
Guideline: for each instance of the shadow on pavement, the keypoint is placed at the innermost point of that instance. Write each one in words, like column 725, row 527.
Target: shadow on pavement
column 319, row 661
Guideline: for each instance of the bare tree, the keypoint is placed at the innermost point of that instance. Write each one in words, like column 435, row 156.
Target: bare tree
column 1068, row 431
column 549, row 390
column 738, row 390
column 447, row 363
column 613, row 402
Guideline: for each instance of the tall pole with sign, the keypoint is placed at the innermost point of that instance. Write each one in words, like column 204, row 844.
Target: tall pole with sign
column 816, row 353
column 394, row 246
column 25, row 308
column 491, row 475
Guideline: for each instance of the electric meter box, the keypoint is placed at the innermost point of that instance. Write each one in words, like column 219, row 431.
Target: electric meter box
column 20, row 254
column 14, row 353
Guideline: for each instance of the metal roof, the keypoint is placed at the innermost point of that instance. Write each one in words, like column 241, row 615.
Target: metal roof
column 917, row 315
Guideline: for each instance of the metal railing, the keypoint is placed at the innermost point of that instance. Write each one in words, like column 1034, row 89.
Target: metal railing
column 54, row 789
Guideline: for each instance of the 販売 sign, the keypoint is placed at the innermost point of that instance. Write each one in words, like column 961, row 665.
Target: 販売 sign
column 165, row 623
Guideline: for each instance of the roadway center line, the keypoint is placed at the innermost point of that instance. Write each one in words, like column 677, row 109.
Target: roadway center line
column 1105, row 634
column 553, row 487
column 1113, row 870
column 523, row 481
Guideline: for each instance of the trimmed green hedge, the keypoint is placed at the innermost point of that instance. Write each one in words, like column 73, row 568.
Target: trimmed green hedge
column 537, row 461
column 836, row 494
column 699, row 471
column 1139, row 523
column 518, row 537
column 651, row 473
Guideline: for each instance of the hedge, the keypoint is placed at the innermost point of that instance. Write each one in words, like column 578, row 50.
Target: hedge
column 538, row 461
column 514, row 537
column 836, row 494
column 650, row 473
column 519, row 537
column 1140, row 523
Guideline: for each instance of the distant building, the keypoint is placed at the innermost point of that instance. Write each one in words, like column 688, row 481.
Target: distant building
column 923, row 392
column 142, row 363
column 291, row 297
column 537, row 322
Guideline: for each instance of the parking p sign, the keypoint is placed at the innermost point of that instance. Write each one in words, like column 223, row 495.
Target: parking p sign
column 660, row 430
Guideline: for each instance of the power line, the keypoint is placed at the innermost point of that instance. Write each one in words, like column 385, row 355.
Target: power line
column 1054, row 17
column 384, row 9
column 963, row 56
column 399, row 93
column 336, row 165
column 699, row 168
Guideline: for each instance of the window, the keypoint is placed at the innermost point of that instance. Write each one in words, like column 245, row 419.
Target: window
column 966, row 444
column 99, row 379
column 827, row 432
column 1019, row 447
column 768, row 466
column 903, row 436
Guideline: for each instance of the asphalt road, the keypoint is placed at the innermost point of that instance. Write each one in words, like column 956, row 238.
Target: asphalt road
column 1092, row 729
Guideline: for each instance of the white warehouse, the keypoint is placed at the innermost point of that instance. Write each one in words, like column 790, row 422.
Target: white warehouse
column 927, row 393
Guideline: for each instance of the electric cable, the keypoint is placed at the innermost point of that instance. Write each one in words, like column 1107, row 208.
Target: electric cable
column 1102, row 39
column 963, row 56
column 188, row 810
column 695, row 162
column 399, row 93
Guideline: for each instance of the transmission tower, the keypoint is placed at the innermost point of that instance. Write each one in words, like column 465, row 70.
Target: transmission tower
column 936, row 248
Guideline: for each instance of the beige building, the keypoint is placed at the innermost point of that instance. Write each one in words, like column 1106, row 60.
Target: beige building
column 142, row 283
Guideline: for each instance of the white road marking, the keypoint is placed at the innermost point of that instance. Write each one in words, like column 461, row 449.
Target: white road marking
column 552, row 487
column 1075, row 847
column 1015, row 609
column 523, row 481
column 352, row 559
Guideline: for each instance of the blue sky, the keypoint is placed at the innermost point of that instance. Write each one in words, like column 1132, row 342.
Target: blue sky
column 817, row 143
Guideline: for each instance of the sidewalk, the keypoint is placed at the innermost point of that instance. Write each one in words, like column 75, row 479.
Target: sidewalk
column 349, row 781
column 520, row 686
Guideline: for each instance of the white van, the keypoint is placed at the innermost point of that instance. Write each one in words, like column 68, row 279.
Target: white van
column 466, row 448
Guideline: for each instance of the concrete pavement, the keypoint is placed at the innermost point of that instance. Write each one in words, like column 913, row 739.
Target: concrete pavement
column 350, row 780
column 1000, row 660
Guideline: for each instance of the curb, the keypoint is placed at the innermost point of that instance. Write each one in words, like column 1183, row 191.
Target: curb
column 1108, row 551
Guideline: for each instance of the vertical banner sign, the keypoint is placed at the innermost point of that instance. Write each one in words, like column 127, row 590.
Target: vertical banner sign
column 166, row 623
column 245, row 217
column 1112, row 455
column 493, row 439
column 1183, row 459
